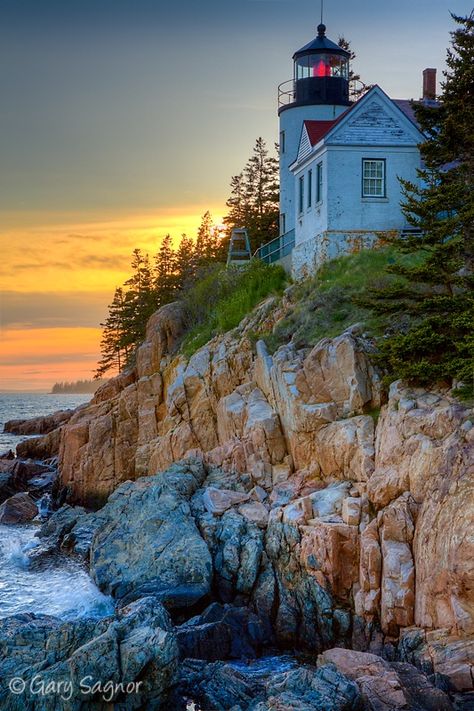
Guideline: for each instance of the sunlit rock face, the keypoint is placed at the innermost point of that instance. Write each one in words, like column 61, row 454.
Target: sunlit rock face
column 341, row 515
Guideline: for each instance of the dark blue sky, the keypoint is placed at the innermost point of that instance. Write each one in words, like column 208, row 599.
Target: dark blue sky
column 141, row 104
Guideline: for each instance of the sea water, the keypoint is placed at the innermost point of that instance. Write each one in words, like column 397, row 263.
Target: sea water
column 58, row 586
column 23, row 406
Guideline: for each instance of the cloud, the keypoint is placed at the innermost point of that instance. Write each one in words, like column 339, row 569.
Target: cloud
column 95, row 261
column 28, row 310
column 48, row 358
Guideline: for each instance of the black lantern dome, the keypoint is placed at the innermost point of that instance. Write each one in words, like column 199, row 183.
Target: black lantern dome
column 321, row 72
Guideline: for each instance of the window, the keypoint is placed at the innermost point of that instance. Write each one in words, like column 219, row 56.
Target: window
column 373, row 178
column 321, row 65
column 310, row 187
column 319, row 182
column 282, row 142
column 282, row 223
column 301, row 195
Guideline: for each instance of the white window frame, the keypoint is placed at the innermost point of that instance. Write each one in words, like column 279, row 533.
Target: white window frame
column 319, row 182
column 282, row 142
column 301, row 195
column 374, row 178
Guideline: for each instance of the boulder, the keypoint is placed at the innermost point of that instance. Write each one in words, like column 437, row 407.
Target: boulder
column 307, row 689
column 148, row 541
column 222, row 632
column 163, row 331
column 217, row 501
column 339, row 370
column 38, row 425
column 386, row 686
column 272, row 684
column 351, row 509
column 331, row 550
column 138, row 645
column 449, row 657
column 216, row 686
column 256, row 512
column 44, row 447
column 7, row 455
column 19, row 508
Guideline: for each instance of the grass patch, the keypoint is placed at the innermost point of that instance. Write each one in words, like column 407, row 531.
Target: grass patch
column 223, row 297
column 325, row 303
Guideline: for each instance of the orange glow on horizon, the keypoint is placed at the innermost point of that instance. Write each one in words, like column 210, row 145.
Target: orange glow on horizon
column 37, row 358
column 51, row 256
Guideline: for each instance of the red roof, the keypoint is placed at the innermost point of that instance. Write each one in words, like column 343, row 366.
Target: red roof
column 318, row 129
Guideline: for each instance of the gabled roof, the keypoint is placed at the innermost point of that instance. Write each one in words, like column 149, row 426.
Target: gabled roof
column 316, row 131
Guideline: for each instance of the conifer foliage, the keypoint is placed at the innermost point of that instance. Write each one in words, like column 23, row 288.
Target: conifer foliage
column 253, row 204
column 432, row 301
column 255, row 195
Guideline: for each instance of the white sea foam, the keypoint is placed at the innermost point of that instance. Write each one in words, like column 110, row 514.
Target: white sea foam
column 61, row 588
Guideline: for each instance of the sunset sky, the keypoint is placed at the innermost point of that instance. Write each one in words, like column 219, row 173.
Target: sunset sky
column 122, row 120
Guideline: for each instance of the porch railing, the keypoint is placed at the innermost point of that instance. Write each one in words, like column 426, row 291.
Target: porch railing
column 276, row 249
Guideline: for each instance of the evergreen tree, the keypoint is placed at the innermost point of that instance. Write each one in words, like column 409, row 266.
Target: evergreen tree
column 237, row 204
column 165, row 281
column 437, row 286
column 208, row 246
column 254, row 199
column 139, row 301
column 185, row 263
column 262, row 195
column 113, row 348
column 356, row 87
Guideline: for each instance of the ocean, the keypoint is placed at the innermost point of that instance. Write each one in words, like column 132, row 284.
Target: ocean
column 60, row 587
column 19, row 406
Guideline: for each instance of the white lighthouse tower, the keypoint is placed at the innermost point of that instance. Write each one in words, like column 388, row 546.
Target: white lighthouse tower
column 319, row 91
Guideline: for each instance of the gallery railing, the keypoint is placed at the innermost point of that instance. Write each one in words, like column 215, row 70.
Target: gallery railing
column 276, row 249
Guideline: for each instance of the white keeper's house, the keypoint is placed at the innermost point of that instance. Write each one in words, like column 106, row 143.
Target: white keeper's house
column 340, row 160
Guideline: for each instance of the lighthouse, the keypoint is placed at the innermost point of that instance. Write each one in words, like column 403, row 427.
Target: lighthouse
column 319, row 91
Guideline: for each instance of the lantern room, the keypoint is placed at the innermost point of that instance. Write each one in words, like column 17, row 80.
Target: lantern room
column 321, row 72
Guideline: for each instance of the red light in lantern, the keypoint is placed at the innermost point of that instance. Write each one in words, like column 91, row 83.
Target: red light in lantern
column 322, row 69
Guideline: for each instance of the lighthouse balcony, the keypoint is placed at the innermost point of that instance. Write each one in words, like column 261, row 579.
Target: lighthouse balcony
column 312, row 91
column 286, row 93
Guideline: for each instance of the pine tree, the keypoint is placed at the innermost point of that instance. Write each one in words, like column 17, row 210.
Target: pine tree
column 357, row 88
column 185, row 263
column 208, row 247
column 254, row 199
column 113, row 349
column 262, row 193
column 437, row 291
column 139, row 301
column 237, row 204
column 165, row 273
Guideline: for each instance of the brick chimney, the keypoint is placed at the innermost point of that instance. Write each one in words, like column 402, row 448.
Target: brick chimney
column 429, row 84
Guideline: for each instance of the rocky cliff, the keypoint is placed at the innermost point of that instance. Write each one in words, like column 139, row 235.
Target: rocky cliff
column 339, row 515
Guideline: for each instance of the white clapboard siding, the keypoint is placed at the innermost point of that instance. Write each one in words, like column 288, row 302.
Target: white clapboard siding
column 305, row 145
column 373, row 125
